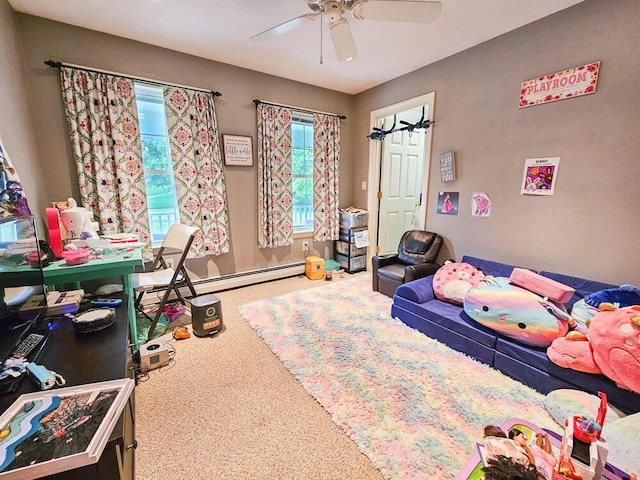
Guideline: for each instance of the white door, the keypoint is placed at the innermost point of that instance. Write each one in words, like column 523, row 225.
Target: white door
column 397, row 183
column 400, row 183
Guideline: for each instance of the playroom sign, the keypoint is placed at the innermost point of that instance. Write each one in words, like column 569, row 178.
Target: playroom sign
column 574, row 82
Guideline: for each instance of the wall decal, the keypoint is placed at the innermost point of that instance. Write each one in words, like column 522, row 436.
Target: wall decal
column 480, row 205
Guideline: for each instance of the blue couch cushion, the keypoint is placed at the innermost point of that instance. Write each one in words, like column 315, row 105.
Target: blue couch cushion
column 449, row 316
column 582, row 286
column 490, row 267
column 418, row 291
column 590, row 382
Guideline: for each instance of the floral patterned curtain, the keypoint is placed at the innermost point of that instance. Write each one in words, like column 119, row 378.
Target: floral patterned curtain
column 197, row 163
column 103, row 125
column 275, row 198
column 326, row 161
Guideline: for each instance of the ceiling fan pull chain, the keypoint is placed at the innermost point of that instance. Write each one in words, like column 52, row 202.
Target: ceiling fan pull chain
column 321, row 59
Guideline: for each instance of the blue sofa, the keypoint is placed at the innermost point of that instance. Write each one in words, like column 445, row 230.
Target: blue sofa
column 415, row 305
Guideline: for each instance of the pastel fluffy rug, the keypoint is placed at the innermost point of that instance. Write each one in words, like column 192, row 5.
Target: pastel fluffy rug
column 414, row 407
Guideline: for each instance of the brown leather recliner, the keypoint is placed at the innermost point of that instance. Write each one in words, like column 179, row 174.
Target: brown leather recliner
column 416, row 258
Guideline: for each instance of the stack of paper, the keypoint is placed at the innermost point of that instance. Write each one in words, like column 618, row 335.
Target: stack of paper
column 123, row 239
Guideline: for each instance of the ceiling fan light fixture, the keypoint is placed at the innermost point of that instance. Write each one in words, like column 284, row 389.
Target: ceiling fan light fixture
column 343, row 40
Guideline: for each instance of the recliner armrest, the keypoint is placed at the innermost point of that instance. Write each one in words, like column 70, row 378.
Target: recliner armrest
column 384, row 260
column 381, row 261
column 413, row 272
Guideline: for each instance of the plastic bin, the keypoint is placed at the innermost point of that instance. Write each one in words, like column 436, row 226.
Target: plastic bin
column 206, row 315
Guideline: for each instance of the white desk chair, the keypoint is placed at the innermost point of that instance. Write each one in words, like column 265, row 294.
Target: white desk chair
column 161, row 277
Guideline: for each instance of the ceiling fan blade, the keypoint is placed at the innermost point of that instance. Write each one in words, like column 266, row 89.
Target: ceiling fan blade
column 285, row 27
column 342, row 39
column 413, row 11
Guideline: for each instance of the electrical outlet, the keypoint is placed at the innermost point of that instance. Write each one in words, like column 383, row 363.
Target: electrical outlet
column 305, row 245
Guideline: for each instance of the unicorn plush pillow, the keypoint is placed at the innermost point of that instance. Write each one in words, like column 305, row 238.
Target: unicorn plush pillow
column 516, row 312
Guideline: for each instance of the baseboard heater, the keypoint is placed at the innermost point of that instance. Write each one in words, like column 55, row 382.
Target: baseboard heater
column 235, row 280
column 250, row 277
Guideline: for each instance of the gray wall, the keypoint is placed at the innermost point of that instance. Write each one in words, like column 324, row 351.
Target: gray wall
column 16, row 126
column 590, row 226
column 47, row 40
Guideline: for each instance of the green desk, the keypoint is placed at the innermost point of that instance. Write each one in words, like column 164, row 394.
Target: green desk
column 121, row 265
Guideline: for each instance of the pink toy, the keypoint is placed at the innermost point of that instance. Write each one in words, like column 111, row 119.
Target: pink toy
column 543, row 286
column 453, row 280
column 612, row 347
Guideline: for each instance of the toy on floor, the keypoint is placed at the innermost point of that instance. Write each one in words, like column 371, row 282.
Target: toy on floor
column 612, row 346
column 583, row 452
column 180, row 333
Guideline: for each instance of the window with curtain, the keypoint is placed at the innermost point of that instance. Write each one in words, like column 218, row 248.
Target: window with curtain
column 147, row 156
column 162, row 201
column 302, row 172
column 298, row 160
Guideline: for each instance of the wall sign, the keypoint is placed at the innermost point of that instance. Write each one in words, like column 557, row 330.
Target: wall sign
column 574, row 82
column 238, row 150
column 540, row 175
column 447, row 167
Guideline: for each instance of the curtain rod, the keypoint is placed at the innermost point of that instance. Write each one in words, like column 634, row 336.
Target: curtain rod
column 54, row 64
column 305, row 110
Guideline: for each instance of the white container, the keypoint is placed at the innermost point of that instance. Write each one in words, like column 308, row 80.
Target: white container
column 353, row 217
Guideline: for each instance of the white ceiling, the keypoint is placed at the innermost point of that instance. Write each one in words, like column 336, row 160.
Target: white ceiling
column 220, row 30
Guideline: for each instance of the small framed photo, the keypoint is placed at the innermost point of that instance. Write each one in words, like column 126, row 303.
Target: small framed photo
column 238, row 150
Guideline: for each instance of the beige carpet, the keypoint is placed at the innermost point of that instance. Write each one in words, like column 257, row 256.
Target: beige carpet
column 226, row 408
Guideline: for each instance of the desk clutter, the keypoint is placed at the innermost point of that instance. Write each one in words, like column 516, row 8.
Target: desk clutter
column 57, row 303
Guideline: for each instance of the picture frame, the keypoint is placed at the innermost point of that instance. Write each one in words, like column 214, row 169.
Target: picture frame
column 540, row 176
column 238, row 150
column 62, row 429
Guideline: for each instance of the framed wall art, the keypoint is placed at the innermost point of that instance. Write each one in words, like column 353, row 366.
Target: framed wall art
column 539, row 176
column 238, row 150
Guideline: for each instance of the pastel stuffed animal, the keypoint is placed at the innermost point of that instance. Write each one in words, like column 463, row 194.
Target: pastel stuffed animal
column 623, row 296
column 516, row 312
column 611, row 348
column 453, row 280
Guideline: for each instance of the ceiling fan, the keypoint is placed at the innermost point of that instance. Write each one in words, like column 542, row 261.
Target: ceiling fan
column 333, row 11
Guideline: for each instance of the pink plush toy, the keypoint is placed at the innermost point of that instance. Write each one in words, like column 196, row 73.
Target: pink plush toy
column 453, row 280
column 612, row 347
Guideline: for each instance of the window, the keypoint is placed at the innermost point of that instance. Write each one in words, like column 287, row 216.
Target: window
column 302, row 172
column 156, row 156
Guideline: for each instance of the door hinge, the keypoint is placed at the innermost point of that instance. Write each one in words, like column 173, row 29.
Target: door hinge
column 379, row 195
column 377, row 249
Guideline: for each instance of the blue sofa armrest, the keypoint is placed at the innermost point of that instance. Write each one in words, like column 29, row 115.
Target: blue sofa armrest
column 418, row 291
